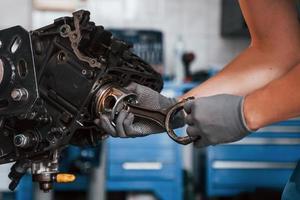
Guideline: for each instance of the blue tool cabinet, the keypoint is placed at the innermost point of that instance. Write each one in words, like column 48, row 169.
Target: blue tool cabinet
column 145, row 164
column 264, row 159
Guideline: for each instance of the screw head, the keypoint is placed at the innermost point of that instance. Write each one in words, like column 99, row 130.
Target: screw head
column 21, row 140
column 19, row 94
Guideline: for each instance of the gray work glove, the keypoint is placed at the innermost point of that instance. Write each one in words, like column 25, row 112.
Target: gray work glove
column 129, row 126
column 216, row 119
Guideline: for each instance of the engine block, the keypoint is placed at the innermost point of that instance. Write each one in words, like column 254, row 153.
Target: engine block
column 49, row 90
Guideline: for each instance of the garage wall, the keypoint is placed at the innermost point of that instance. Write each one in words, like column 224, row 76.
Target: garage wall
column 196, row 21
column 15, row 12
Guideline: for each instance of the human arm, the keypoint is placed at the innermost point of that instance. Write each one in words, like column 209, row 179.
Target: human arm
column 228, row 118
column 277, row 101
column 266, row 73
column 274, row 50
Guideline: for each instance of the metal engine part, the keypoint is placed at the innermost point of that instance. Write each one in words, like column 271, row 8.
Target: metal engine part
column 44, row 172
column 52, row 81
column 111, row 100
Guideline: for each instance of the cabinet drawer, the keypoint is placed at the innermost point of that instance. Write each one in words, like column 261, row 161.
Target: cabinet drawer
column 248, row 178
column 164, row 155
column 141, row 171
column 264, row 152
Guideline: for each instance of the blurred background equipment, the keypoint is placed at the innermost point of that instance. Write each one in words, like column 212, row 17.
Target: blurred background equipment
column 147, row 44
column 187, row 59
column 178, row 65
column 232, row 20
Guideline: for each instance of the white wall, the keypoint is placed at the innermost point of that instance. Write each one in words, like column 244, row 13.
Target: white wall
column 197, row 21
column 4, row 171
column 15, row 12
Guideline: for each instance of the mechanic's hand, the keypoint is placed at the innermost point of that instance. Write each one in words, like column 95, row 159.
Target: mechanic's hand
column 216, row 119
column 127, row 125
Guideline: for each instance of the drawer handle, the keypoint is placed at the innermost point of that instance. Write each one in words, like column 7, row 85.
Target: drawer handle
column 252, row 165
column 280, row 129
column 142, row 166
column 267, row 141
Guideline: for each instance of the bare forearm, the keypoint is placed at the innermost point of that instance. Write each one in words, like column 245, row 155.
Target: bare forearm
column 252, row 69
column 276, row 101
column 274, row 49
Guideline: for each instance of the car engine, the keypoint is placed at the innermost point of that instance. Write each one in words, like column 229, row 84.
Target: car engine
column 54, row 82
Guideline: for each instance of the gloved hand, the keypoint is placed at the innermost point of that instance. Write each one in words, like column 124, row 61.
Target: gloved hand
column 216, row 119
column 129, row 126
